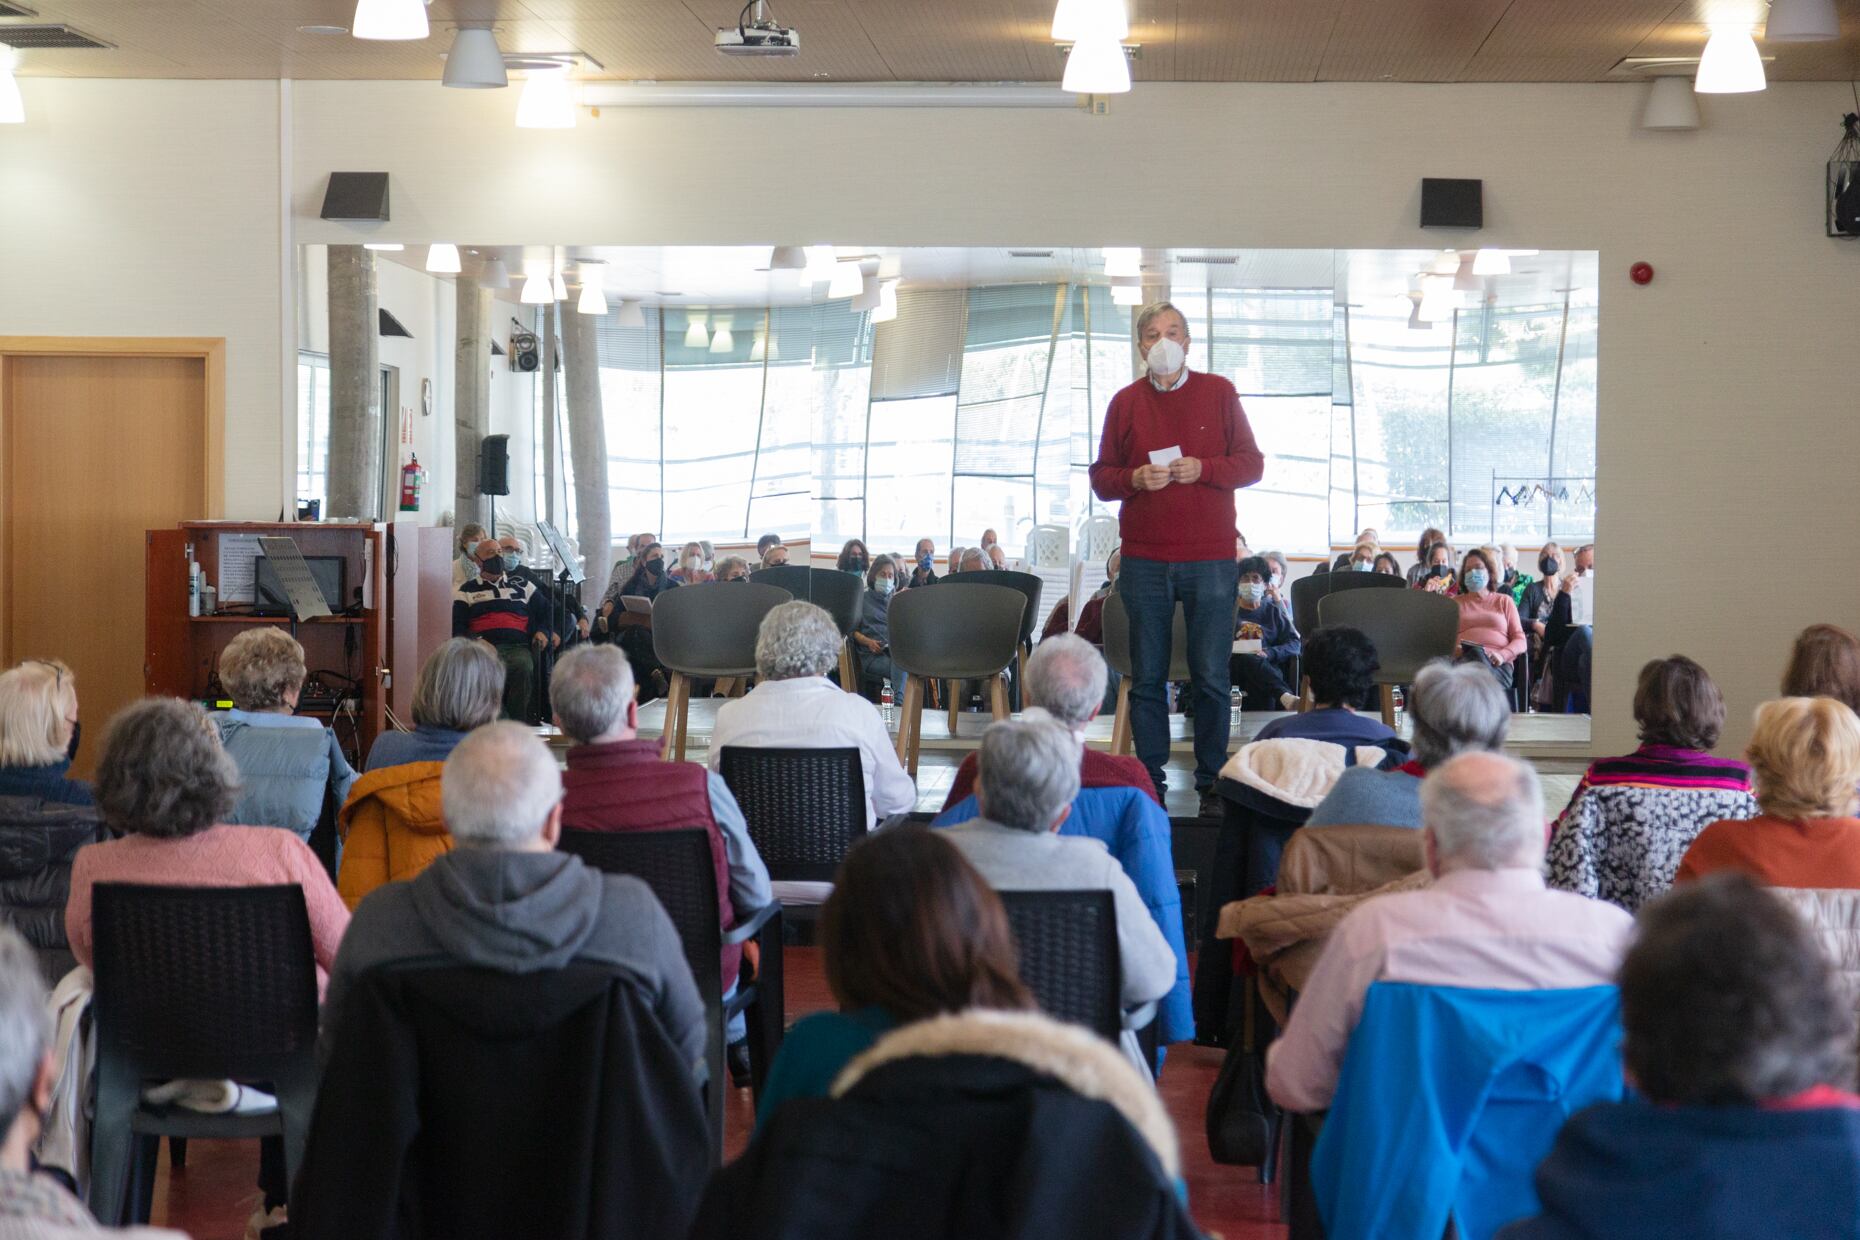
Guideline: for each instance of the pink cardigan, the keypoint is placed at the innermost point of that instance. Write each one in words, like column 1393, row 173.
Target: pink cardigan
column 220, row 856
column 1490, row 620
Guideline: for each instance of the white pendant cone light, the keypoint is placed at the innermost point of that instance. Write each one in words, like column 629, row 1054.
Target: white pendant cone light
column 1080, row 19
column 536, row 291
column 847, row 280
column 821, row 263
column 547, row 102
column 12, row 106
column 723, row 341
column 696, row 337
column 759, row 348
column 384, row 247
column 389, row 19
column 475, row 63
column 788, row 258
column 1492, row 263
column 442, row 259
column 1097, row 66
column 867, row 296
column 1802, row 21
column 1123, row 260
column 593, row 296
column 494, row 275
column 1671, row 104
column 1126, row 295
column 630, row 314
column 1731, row 64
column 887, row 302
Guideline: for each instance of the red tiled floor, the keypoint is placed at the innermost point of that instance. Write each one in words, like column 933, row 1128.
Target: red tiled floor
column 214, row 1194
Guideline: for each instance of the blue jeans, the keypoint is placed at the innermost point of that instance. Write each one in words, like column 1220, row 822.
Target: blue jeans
column 1207, row 590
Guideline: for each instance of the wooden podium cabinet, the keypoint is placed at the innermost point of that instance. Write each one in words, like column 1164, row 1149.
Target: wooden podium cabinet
column 184, row 651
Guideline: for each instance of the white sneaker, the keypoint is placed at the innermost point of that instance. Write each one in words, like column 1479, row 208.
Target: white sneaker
column 261, row 1219
column 1287, row 702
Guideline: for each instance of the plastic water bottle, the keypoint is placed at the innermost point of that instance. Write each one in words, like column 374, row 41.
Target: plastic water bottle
column 1233, row 718
column 1401, row 703
column 885, row 711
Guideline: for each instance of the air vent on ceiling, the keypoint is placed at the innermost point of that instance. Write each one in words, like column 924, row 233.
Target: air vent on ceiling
column 1030, row 253
column 41, row 38
column 1206, row 260
column 15, row 10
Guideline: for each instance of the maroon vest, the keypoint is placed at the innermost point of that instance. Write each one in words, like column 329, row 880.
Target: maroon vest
column 627, row 786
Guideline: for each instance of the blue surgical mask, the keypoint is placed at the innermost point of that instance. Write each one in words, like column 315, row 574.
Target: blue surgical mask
column 512, row 560
column 1477, row 579
column 1251, row 593
column 1362, row 566
column 884, row 586
column 925, row 560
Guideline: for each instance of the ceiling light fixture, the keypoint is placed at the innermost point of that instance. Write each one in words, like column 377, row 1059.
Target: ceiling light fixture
column 867, row 296
column 1126, row 295
column 1671, row 104
column 788, row 258
column 696, row 337
column 12, row 105
column 759, row 348
column 821, row 263
column 1445, row 263
column 1731, row 64
column 630, row 314
column 389, row 19
column 494, row 274
column 1802, row 21
column 847, row 281
column 593, row 296
column 1074, row 20
column 548, row 101
column 887, row 302
column 1492, row 263
column 1097, row 66
column 536, row 290
column 383, row 247
column 475, row 63
column 722, row 341
column 1123, row 260
column 442, row 259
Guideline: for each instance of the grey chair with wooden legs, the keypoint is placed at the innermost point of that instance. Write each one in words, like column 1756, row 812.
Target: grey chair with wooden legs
column 1409, row 629
column 937, row 634
column 1028, row 584
column 1308, row 592
column 1117, row 654
column 702, row 631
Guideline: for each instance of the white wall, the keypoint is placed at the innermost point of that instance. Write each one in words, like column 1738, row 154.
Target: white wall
column 134, row 208
column 1727, row 408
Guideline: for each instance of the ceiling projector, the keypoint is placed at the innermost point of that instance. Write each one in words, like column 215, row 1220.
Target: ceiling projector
column 758, row 38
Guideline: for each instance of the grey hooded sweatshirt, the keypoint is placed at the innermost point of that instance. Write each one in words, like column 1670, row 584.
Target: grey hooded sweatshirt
column 521, row 912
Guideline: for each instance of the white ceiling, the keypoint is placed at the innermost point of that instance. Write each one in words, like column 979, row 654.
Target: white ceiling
column 738, row 275
column 939, row 40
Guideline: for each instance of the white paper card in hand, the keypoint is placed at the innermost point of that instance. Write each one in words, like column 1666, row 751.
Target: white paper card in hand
column 1162, row 456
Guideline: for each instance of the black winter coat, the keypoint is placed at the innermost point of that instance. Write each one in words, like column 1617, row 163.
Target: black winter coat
column 38, row 839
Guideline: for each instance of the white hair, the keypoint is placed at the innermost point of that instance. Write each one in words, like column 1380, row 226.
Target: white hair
column 797, row 639
column 1457, row 708
column 1486, row 812
column 1027, row 771
column 499, row 786
column 1066, row 675
column 590, row 689
column 25, row 1026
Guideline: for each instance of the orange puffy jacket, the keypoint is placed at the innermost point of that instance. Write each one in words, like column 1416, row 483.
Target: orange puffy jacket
column 392, row 828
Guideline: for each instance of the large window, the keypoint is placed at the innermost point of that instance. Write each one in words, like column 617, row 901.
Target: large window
column 313, row 429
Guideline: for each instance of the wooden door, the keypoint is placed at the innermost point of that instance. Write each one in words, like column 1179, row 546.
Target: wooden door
column 97, row 450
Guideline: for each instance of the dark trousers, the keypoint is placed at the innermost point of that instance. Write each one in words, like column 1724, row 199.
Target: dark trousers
column 1502, row 672
column 1206, row 589
column 874, row 671
column 1259, row 680
column 519, row 681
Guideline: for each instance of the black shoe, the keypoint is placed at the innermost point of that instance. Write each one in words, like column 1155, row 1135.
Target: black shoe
column 736, row 1055
column 1210, row 805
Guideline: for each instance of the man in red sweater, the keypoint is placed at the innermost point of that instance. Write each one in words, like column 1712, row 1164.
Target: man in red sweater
column 1176, row 447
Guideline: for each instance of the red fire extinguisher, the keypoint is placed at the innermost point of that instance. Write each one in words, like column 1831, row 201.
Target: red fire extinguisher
column 412, row 477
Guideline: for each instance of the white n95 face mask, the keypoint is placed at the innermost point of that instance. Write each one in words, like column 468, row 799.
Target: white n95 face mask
column 1166, row 357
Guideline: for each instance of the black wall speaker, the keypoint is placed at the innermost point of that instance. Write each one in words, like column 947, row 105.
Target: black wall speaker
column 494, row 465
column 1447, row 203
column 525, row 352
column 356, row 196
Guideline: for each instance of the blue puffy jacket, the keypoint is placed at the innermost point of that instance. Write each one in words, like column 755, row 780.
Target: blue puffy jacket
column 284, row 773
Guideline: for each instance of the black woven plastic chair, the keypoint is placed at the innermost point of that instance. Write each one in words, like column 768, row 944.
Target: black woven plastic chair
column 211, row 983
column 1067, row 941
column 804, row 807
column 677, row 866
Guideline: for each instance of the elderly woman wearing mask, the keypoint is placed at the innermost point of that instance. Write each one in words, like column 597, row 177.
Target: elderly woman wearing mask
column 690, row 568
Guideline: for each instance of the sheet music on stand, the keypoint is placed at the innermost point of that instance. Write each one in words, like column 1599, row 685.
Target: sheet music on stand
column 571, row 563
column 300, row 588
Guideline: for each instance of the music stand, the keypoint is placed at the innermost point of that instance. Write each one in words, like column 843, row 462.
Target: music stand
column 301, row 591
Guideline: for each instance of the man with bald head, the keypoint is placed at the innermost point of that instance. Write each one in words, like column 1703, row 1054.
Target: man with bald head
column 1486, row 922
column 507, row 611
